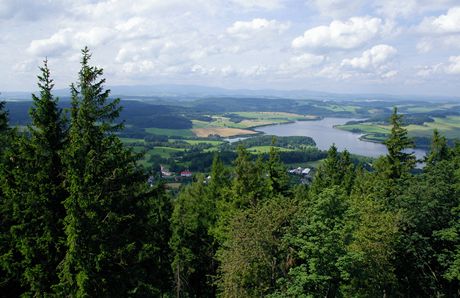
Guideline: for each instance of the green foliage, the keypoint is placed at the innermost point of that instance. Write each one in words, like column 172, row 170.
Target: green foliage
column 109, row 238
column 318, row 241
column 78, row 218
column 252, row 259
column 399, row 162
column 192, row 245
column 35, row 192
column 277, row 173
column 337, row 169
column 439, row 149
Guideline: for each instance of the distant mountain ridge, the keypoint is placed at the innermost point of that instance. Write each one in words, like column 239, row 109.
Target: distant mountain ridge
column 191, row 92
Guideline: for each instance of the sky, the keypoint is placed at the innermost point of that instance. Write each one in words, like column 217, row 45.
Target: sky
column 345, row 46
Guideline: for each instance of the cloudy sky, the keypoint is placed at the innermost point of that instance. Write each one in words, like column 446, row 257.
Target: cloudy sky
column 355, row 46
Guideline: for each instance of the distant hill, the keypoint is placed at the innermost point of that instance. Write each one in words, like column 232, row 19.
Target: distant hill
column 191, row 92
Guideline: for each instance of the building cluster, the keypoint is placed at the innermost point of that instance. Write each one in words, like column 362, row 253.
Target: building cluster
column 166, row 173
column 300, row 171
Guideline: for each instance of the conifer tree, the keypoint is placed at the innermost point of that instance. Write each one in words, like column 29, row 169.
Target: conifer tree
column 249, row 186
column 439, row 150
column 191, row 242
column 337, row 169
column 3, row 118
column 110, row 247
column 399, row 161
column 10, row 285
column 277, row 173
column 35, row 191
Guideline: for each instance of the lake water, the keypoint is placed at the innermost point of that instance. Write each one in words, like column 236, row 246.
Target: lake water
column 324, row 134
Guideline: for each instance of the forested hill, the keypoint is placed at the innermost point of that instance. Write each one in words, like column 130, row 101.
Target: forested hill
column 81, row 218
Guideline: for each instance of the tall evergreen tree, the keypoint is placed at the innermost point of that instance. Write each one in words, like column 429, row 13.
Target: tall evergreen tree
column 110, row 248
column 191, row 242
column 399, row 160
column 249, row 184
column 439, row 150
column 277, row 173
column 337, row 169
column 35, row 191
column 10, row 285
column 3, row 118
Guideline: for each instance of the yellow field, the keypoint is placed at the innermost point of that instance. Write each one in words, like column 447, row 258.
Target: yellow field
column 221, row 131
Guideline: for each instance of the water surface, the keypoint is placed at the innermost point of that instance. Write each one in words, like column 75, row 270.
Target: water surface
column 324, row 134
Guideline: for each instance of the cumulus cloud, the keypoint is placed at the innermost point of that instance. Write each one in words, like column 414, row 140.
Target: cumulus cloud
column 65, row 39
column 246, row 30
column 396, row 8
column 307, row 60
column 375, row 61
column 337, row 8
column 443, row 24
column 255, row 4
column 29, row 9
column 454, row 65
column 373, row 58
column 55, row 45
column 350, row 34
column 424, row 46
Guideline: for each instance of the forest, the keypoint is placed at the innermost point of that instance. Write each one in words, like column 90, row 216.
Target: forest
column 80, row 218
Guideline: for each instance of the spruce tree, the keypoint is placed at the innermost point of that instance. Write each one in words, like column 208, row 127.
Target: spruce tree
column 10, row 285
column 110, row 245
column 191, row 242
column 277, row 173
column 399, row 161
column 439, row 150
column 3, row 118
column 35, row 192
column 44, row 229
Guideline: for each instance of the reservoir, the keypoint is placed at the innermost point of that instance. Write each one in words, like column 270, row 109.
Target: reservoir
column 324, row 134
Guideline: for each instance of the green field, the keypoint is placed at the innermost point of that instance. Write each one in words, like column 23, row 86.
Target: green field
column 448, row 126
column 170, row 132
column 164, row 152
column 365, row 128
column 265, row 149
column 211, row 142
column 131, row 140
column 224, row 122
column 339, row 108
column 276, row 117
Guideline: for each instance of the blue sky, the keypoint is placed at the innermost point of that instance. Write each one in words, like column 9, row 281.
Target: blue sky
column 352, row 46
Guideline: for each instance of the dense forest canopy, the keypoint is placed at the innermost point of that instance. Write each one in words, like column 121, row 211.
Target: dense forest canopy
column 80, row 219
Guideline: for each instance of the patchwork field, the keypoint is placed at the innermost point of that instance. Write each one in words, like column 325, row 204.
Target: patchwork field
column 448, row 126
column 170, row 132
column 221, row 131
column 266, row 149
column 276, row 116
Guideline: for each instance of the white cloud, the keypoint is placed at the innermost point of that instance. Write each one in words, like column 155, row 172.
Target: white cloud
column 307, row 60
column 259, row 4
column 424, row 46
column 372, row 59
column 29, row 9
column 454, row 65
column 303, row 64
column 94, row 36
column 246, row 30
column 337, row 8
column 396, row 8
column 427, row 71
column 341, row 35
column 65, row 39
column 55, row 45
column 443, row 24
